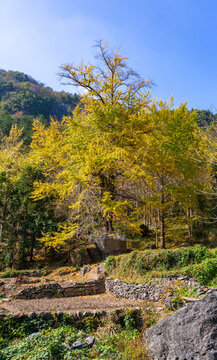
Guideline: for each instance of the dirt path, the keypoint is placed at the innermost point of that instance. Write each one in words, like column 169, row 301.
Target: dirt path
column 68, row 305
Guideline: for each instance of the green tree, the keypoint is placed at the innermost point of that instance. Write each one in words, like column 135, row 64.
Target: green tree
column 24, row 219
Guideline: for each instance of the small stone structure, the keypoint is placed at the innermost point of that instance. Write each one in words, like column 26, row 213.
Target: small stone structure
column 188, row 334
column 57, row 291
column 109, row 243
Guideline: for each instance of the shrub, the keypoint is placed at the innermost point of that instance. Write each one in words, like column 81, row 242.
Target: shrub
column 124, row 345
column 110, row 264
column 130, row 320
column 204, row 272
column 49, row 344
column 193, row 254
column 89, row 324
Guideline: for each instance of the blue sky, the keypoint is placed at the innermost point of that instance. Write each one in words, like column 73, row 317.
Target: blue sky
column 174, row 42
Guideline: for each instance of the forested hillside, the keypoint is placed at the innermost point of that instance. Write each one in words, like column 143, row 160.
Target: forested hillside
column 22, row 98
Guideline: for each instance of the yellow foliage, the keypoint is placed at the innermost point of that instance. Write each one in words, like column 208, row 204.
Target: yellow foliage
column 12, row 156
column 117, row 139
column 59, row 238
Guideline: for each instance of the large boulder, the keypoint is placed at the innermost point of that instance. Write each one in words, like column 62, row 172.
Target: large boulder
column 188, row 334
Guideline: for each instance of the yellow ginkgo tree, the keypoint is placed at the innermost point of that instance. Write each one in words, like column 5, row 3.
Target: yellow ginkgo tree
column 85, row 157
column 172, row 167
column 12, row 158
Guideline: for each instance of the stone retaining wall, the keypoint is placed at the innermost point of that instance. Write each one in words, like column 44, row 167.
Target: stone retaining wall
column 152, row 291
column 46, row 315
column 75, row 316
column 85, row 288
column 57, row 291
column 126, row 290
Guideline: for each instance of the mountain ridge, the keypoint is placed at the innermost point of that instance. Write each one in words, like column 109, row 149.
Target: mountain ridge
column 22, row 98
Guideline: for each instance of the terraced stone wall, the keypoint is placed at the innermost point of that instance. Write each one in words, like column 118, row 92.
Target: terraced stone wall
column 55, row 290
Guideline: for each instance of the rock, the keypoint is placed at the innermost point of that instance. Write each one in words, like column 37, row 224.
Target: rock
column 159, row 309
column 32, row 315
column 101, row 268
column 89, row 341
column 32, row 335
column 84, row 270
column 97, row 313
column 185, row 278
column 59, row 314
column 120, row 288
column 17, row 316
column 156, row 289
column 64, row 273
column 87, row 314
column 96, row 273
column 32, row 281
column 45, row 315
column 189, row 300
column 188, row 334
column 79, row 315
column 211, row 290
column 77, row 345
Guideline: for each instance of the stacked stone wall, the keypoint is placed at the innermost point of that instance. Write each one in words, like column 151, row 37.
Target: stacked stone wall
column 152, row 291
column 57, row 291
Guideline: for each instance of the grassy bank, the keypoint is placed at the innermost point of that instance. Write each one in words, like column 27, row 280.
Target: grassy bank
column 197, row 262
